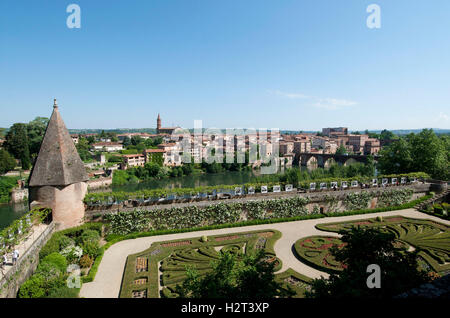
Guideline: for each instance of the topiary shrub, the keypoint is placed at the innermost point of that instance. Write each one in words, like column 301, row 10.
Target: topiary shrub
column 33, row 287
column 58, row 260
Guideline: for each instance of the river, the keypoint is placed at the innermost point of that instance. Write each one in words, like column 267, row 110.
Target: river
column 11, row 212
column 201, row 180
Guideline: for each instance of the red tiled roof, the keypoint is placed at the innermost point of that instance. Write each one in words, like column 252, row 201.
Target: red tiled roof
column 154, row 150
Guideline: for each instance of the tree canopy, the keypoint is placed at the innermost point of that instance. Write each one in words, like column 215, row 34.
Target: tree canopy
column 424, row 151
column 234, row 276
column 365, row 246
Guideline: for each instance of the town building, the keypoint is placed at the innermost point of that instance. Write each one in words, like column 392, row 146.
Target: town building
column 135, row 160
column 164, row 130
column 107, row 146
column 337, row 131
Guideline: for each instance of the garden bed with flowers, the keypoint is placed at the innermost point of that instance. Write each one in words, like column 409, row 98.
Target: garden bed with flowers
column 166, row 262
column 430, row 239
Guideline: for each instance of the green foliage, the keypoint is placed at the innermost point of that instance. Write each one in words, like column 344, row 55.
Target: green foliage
column 57, row 260
column 35, row 132
column 231, row 277
column 121, row 176
column 175, row 256
column 418, row 152
column 6, row 185
column 86, row 261
column 7, row 161
column 17, row 144
column 34, row 216
column 83, row 148
column 64, row 292
column 362, row 247
column 192, row 216
column 33, row 287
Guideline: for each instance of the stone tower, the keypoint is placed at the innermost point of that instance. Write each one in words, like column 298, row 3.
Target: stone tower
column 158, row 124
column 58, row 179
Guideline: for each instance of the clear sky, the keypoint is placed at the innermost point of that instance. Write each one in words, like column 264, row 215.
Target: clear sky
column 288, row 64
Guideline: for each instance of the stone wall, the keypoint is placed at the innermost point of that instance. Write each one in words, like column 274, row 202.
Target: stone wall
column 66, row 202
column 318, row 198
column 25, row 266
column 99, row 183
column 19, row 195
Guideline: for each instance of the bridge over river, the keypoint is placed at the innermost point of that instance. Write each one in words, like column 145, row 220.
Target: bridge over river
column 326, row 160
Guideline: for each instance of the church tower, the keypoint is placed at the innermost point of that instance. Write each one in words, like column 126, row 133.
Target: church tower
column 158, row 124
column 58, row 179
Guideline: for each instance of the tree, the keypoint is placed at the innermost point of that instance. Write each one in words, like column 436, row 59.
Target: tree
column 234, row 276
column 341, row 150
column 83, row 149
column 396, row 158
column 126, row 141
column 17, row 144
column 36, row 131
column 7, row 162
column 387, row 135
column 430, row 154
column 424, row 152
column 363, row 247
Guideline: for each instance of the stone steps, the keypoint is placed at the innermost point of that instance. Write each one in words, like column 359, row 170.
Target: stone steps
column 431, row 200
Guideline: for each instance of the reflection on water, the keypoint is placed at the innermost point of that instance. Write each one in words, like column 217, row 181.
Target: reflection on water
column 11, row 212
column 210, row 179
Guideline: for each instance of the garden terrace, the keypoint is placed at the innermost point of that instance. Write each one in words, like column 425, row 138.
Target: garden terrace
column 167, row 262
column 102, row 200
column 431, row 239
column 213, row 214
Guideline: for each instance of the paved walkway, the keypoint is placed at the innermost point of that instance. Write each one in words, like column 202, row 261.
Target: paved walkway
column 109, row 276
column 35, row 232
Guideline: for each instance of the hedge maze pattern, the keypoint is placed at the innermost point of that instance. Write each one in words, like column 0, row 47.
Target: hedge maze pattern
column 166, row 262
column 431, row 239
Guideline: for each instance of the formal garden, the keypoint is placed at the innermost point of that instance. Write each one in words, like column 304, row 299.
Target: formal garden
column 430, row 239
column 157, row 271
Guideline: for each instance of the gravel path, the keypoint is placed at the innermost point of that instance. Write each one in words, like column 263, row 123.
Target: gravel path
column 109, row 276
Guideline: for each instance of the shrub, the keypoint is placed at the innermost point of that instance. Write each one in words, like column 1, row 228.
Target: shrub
column 58, row 260
column 64, row 292
column 89, row 236
column 33, row 287
column 204, row 238
column 86, row 261
column 48, row 270
column 91, row 248
column 64, row 242
column 72, row 253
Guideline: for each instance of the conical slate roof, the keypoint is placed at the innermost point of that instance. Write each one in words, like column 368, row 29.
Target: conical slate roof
column 58, row 162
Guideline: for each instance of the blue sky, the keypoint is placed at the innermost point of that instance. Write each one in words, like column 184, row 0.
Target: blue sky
column 287, row 64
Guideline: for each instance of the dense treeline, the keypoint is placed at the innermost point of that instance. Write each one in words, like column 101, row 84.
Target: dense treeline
column 424, row 151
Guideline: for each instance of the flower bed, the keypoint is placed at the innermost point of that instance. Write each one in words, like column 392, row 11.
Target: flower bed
column 174, row 258
column 429, row 237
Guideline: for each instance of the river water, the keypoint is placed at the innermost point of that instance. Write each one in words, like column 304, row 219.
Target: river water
column 202, row 180
column 11, row 212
